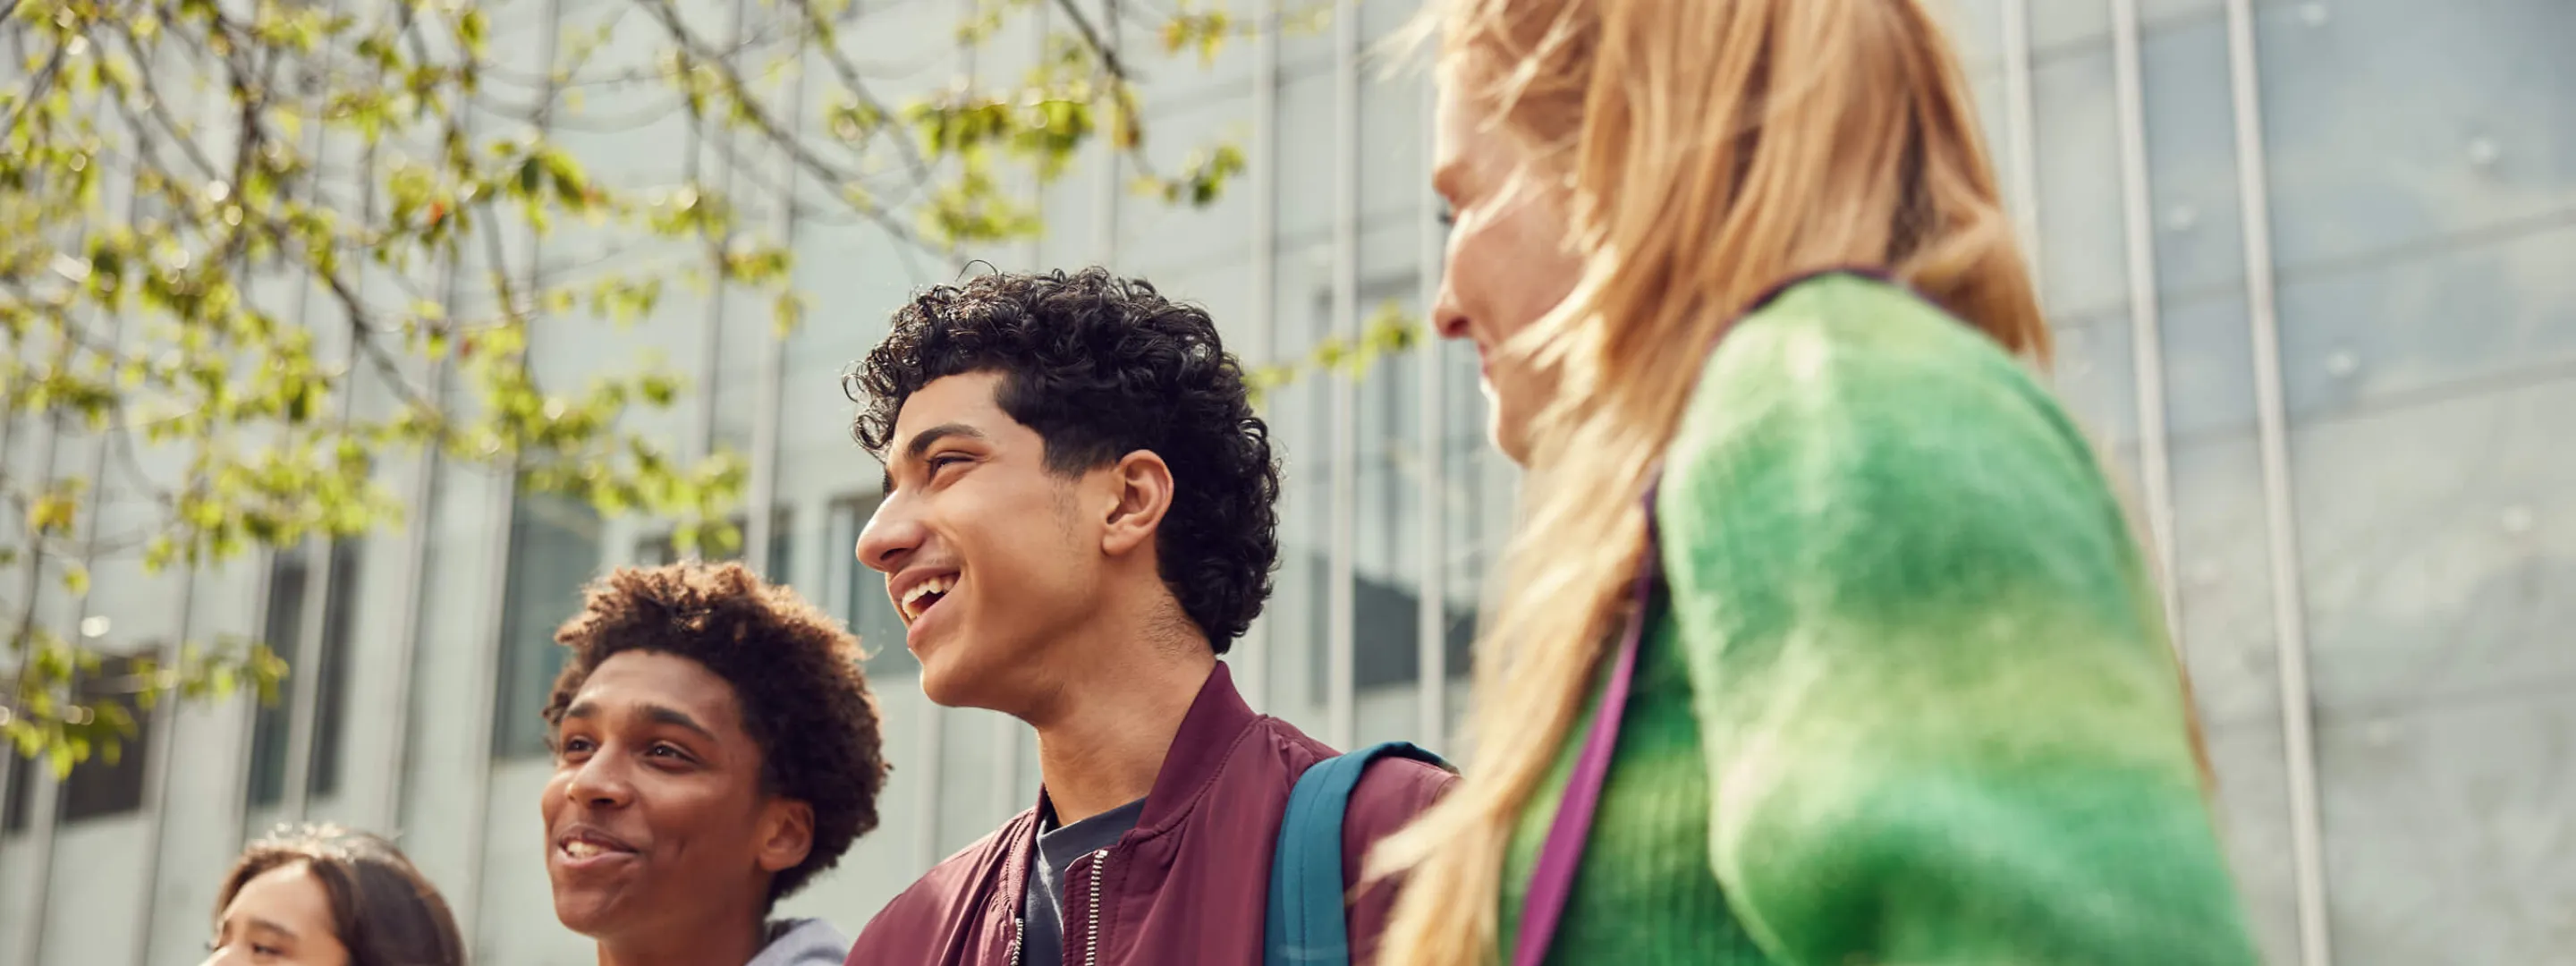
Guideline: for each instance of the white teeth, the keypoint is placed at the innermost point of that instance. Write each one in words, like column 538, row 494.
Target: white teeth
column 581, row 850
column 912, row 605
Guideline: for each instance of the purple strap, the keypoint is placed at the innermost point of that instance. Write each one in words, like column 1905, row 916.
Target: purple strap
column 1553, row 880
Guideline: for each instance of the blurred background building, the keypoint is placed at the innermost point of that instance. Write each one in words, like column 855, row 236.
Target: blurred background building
column 2315, row 289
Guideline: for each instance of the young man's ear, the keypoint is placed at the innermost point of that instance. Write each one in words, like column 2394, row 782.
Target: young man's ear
column 786, row 834
column 1142, row 483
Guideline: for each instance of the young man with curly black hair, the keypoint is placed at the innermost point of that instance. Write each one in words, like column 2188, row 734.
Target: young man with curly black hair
column 1078, row 521
column 715, row 748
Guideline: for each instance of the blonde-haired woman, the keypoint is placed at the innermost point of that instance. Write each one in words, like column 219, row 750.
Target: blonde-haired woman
column 1876, row 673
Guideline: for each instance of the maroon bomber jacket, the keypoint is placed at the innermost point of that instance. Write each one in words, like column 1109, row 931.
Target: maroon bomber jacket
column 1189, row 885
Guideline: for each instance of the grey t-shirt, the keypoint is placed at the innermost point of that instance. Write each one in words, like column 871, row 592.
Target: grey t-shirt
column 1043, row 911
column 802, row 942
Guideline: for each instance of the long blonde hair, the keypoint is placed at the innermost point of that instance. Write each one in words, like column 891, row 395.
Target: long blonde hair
column 1705, row 150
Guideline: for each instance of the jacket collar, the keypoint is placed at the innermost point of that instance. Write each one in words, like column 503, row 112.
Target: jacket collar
column 1216, row 724
column 1217, row 721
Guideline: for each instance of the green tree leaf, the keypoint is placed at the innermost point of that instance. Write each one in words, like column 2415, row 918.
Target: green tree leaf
column 259, row 317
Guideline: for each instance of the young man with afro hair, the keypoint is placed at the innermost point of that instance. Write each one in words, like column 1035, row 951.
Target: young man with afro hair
column 715, row 748
column 1078, row 522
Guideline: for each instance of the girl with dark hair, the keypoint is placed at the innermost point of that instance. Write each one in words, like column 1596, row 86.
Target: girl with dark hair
column 321, row 895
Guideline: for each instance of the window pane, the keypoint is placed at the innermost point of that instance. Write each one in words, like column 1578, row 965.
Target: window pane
column 331, row 701
column 554, row 548
column 863, row 602
column 21, row 775
column 780, row 567
column 660, row 549
column 655, row 551
column 1385, row 561
column 281, row 630
column 97, row 787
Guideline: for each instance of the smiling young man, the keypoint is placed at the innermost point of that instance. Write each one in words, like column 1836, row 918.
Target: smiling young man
column 715, row 748
column 1078, row 521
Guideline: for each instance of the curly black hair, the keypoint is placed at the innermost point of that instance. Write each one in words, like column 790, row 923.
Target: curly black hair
column 794, row 670
column 1100, row 367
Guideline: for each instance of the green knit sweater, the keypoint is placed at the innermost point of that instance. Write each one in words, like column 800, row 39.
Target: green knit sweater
column 1908, row 699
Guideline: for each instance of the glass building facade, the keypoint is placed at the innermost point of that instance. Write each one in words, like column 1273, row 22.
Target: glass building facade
column 2310, row 265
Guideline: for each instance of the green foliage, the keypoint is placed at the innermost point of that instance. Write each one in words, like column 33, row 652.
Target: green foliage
column 68, row 705
column 1202, row 31
column 1388, row 330
column 253, row 326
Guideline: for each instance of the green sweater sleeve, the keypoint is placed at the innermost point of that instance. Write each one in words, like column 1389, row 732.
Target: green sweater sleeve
column 1941, row 720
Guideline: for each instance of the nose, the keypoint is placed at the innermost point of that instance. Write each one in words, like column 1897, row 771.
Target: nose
column 1448, row 317
column 892, row 533
column 601, row 782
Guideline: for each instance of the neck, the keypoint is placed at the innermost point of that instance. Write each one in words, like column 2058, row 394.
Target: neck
column 733, row 940
column 1104, row 731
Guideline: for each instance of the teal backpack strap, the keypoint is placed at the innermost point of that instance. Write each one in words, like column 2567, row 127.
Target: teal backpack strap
column 1305, row 925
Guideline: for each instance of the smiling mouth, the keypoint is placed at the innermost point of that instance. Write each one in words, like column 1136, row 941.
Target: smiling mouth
column 582, row 849
column 925, row 595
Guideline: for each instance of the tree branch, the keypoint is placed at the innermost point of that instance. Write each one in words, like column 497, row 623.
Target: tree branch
column 849, row 74
column 572, row 78
column 26, row 631
column 43, row 79
column 679, row 33
column 1100, row 48
column 1121, row 79
column 154, row 103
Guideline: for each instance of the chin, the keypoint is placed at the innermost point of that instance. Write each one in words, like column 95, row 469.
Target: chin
column 1510, row 437
column 584, row 917
column 936, row 687
column 949, row 686
column 989, row 677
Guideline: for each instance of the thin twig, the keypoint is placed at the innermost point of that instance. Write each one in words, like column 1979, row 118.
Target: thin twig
column 1121, row 82
column 44, row 77
column 154, row 103
column 849, row 74
column 546, row 81
column 1091, row 36
column 670, row 19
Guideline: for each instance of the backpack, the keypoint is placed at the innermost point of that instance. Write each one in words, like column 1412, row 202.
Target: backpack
column 1305, row 925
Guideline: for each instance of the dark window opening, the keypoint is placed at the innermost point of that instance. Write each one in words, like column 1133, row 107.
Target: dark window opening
column 554, row 550
column 660, row 549
column 96, row 788
column 291, row 577
column 862, row 602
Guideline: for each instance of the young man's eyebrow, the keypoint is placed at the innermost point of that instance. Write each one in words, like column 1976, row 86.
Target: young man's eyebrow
column 921, row 442
column 656, row 713
column 664, row 714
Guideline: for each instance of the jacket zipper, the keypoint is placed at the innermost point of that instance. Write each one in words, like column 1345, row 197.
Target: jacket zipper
column 1091, row 937
column 1091, row 944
